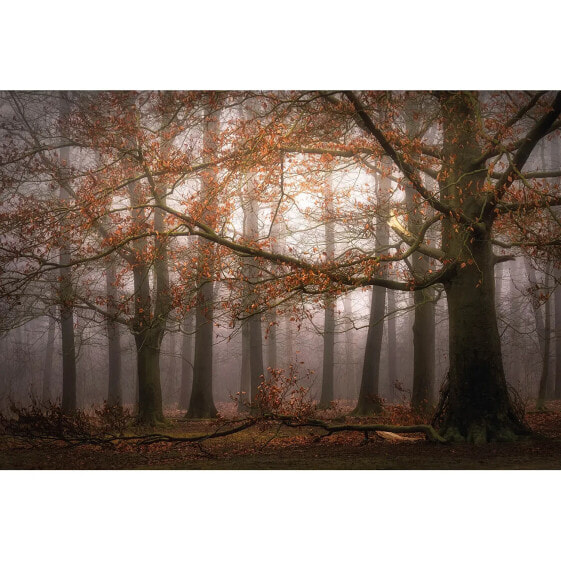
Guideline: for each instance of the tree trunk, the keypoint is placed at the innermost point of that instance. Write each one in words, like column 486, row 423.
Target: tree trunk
column 329, row 316
column 423, row 350
column 67, row 332
column 48, row 366
column 557, row 311
column 392, row 344
column 369, row 402
column 368, row 399
column 250, row 206
column 148, row 344
column 186, row 362
column 424, row 314
column 351, row 371
column 255, row 354
column 475, row 403
column 478, row 407
column 271, row 343
column 289, row 343
column 245, row 374
column 544, row 379
column 201, row 404
column 66, row 296
column 272, row 347
column 328, row 354
column 114, row 390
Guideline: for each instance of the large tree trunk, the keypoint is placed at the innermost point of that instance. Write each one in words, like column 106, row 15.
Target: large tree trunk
column 148, row 345
column 478, row 407
column 149, row 325
column 114, row 390
column 147, row 328
column 148, row 336
column 48, row 366
column 475, row 406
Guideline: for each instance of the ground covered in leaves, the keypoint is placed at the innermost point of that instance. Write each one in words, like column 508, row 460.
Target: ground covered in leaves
column 272, row 445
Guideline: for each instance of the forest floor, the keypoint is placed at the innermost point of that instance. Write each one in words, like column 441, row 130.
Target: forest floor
column 273, row 446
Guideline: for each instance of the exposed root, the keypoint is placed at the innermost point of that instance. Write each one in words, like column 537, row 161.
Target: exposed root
column 508, row 426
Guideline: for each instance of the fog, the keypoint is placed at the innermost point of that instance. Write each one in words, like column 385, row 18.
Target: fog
column 25, row 352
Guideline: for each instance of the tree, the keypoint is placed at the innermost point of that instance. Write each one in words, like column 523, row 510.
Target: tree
column 201, row 405
column 368, row 399
column 47, row 392
column 540, row 404
column 483, row 190
column 475, row 183
column 327, row 381
column 253, row 320
column 114, row 390
column 392, row 342
column 424, row 308
column 186, row 362
column 66, row 295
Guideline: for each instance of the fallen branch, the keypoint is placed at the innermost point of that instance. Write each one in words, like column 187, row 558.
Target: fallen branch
column 157, row 438
column 140, row 439
column 427, row 430
column 283, row 420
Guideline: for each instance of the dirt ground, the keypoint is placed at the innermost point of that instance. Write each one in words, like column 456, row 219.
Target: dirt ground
column 274, row 447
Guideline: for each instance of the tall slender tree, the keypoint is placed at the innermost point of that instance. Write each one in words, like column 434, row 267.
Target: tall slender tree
column 114, row 390
column 368, row 399
column 201, row 404
column 66, row 291
column 47, row 393
column 328, row 364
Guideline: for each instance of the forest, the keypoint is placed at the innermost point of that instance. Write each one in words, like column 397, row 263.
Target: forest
column 280, row 279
